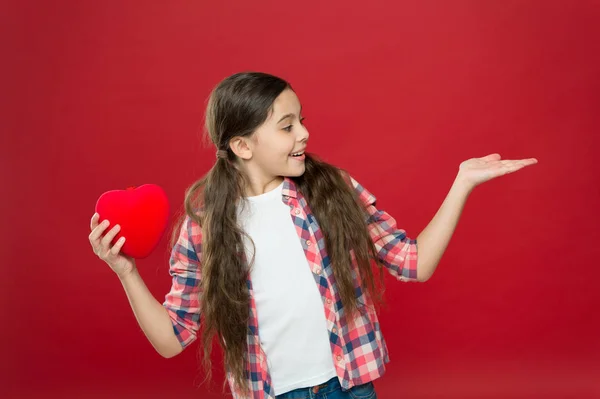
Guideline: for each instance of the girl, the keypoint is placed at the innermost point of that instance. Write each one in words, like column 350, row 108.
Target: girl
column 274, row 254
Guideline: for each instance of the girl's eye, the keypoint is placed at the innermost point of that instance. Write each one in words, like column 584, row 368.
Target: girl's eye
column 289, row 128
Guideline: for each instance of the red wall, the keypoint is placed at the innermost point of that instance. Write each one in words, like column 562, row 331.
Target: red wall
column 103, row 95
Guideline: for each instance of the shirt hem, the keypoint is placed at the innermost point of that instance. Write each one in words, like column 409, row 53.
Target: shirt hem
column 307, row 383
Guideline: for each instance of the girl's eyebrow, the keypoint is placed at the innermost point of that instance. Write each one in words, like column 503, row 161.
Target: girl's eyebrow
column 288, row 115
column 285, row 116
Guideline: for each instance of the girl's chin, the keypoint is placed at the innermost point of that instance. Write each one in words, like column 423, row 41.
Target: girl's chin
column 297, row 171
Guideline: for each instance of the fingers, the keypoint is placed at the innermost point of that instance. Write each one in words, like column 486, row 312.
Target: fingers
column 94, row 221
column 109, row 237
column 101, row 246
column 98, row 230
column 512, row 164
column 117, row 247
column 510, row 167
column 525, row 162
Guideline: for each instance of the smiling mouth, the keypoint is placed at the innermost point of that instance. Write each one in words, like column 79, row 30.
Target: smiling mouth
column 297, row 154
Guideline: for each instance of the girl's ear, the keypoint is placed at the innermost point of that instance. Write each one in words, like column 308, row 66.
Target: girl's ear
column 241, row 147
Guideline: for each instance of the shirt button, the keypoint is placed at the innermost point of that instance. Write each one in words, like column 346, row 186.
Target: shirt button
column 338, row 357
column 334, row 330
column 297, row 211
column 308, row 242
column 317, row 270
column 328, row 301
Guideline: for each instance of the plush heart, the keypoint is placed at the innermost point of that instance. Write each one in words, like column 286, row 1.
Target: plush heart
column 142, row 213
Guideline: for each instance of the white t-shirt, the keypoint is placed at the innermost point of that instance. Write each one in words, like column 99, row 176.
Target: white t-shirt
column 291, row 317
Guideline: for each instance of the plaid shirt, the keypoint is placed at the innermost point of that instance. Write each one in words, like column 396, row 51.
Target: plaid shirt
column 358, row 348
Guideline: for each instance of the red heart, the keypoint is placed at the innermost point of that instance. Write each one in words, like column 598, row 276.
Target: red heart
column 142, row 213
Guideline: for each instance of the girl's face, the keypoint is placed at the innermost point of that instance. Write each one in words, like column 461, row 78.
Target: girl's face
column 271, row 146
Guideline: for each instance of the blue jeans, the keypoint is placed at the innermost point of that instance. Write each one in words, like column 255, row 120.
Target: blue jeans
column 331, row 390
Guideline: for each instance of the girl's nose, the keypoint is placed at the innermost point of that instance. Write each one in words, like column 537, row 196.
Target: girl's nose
column 304, row 135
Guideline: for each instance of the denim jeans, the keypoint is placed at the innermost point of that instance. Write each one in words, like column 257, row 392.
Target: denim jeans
column 331, row 390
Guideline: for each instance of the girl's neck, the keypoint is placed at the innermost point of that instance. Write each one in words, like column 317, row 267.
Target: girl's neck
column 256, row 188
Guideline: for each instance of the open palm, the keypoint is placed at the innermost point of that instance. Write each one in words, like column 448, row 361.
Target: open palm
column 479, row 170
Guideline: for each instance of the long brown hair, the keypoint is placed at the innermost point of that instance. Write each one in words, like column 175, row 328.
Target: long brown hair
column 237, row 106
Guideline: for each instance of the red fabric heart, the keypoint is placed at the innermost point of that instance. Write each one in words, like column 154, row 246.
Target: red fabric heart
column 142, row 213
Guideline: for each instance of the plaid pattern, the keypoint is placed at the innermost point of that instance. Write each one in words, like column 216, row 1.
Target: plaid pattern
column 357, row 345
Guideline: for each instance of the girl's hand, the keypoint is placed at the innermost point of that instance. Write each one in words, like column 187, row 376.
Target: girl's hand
column 475, row 171
column 119, row 263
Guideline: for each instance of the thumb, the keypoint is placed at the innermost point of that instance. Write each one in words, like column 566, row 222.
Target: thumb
column 492, row 157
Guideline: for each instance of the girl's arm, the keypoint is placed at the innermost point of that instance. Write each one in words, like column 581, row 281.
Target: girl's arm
column 172, row 325
column 151, row 315
column 397, row 252
column 182, row 302
column 434, row 239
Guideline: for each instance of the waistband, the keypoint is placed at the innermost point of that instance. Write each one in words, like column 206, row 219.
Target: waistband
column 326, row 387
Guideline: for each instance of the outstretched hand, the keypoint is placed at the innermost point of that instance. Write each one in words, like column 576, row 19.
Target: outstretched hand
column 475, row 171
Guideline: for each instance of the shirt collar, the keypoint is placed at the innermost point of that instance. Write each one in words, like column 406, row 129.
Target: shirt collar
column 289, row 188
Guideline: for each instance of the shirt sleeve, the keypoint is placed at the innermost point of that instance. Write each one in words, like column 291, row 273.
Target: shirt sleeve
column 395, row 249
column 183, row 300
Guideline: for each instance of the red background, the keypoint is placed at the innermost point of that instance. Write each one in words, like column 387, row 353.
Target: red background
column 104, row 95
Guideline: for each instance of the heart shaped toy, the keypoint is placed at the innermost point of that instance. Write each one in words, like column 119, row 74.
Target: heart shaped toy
column 142, row 213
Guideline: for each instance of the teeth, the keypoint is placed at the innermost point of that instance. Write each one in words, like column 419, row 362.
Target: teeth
column 298, row 154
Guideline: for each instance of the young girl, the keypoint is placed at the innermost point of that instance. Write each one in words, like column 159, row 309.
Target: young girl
column 274, row 254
